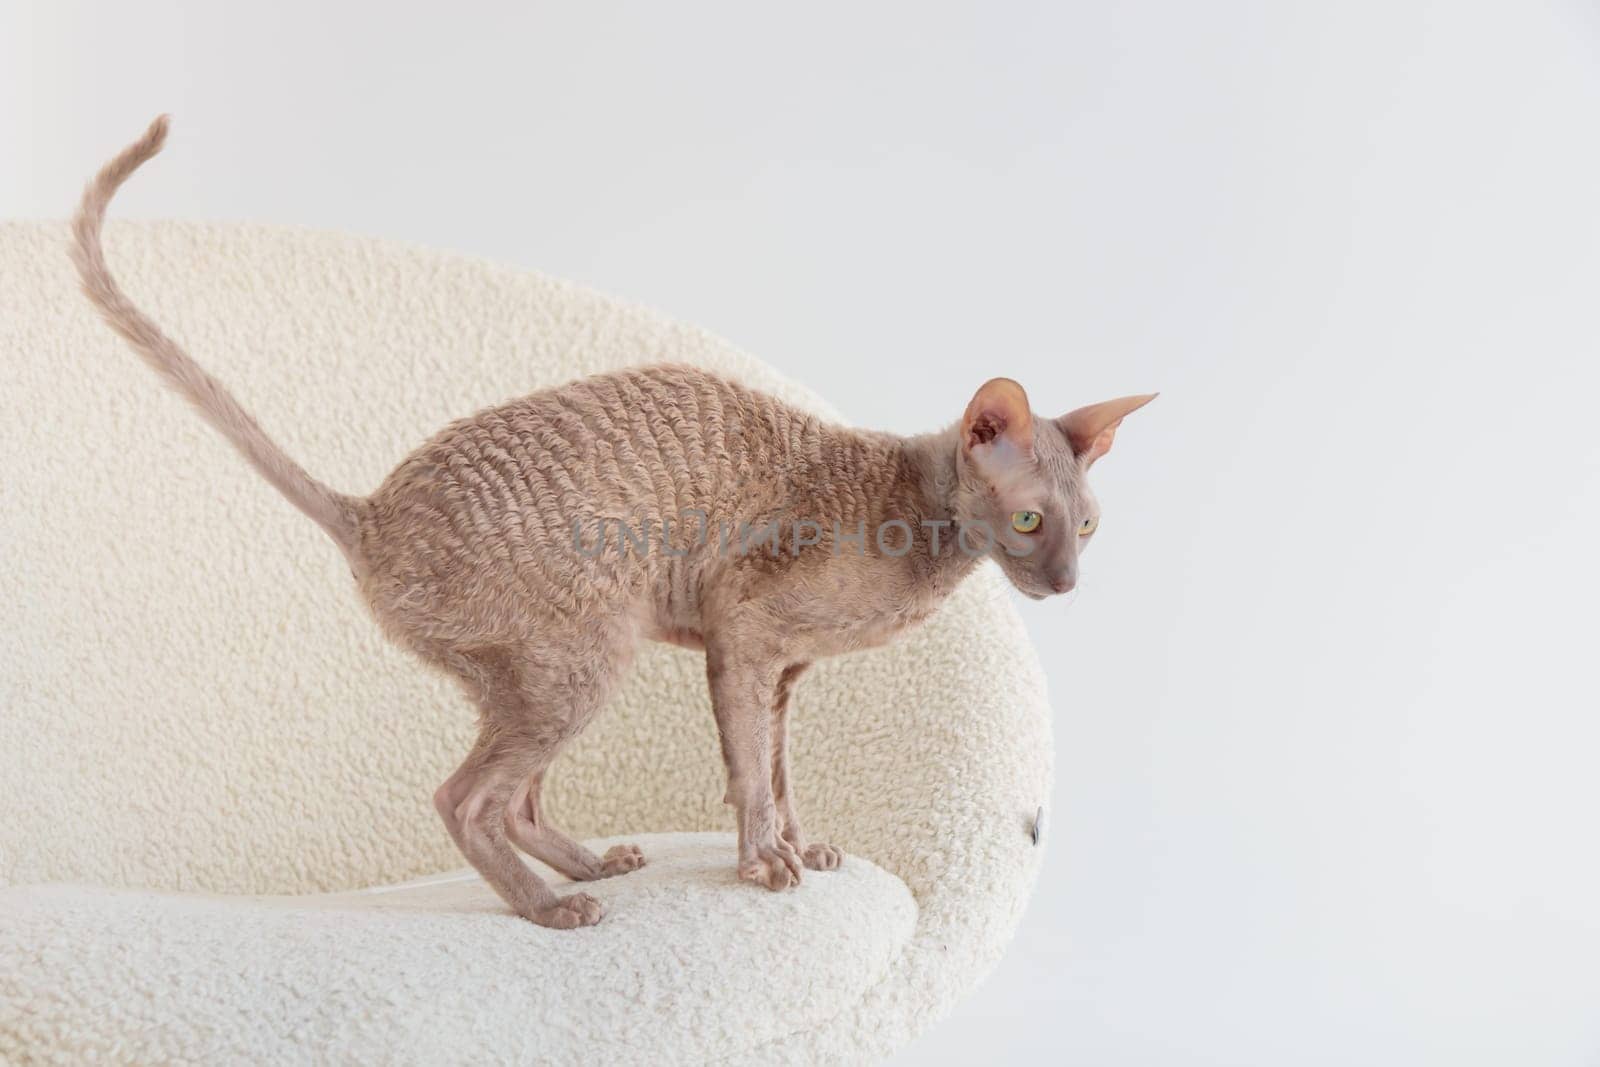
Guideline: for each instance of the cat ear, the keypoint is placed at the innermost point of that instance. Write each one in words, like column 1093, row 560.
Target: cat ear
column 997, row 429
column 1091, row 429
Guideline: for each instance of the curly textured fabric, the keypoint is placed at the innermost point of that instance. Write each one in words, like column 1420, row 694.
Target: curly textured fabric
column 451, row 969
column 196, row 701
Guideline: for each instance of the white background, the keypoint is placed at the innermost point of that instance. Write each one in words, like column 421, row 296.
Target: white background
column 1325, row 700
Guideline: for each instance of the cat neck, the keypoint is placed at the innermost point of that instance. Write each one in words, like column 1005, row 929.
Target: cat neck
column 925, row 485
column 926, row 475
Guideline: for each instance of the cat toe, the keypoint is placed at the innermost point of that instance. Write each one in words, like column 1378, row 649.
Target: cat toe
column 579, row 909
column 822, row 857
column 620, row 859
column 773, row 866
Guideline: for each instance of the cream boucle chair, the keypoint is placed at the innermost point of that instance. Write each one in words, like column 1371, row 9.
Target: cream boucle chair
column 209, row 759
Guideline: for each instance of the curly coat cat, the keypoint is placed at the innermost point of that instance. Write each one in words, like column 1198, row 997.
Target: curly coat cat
column 486, row 553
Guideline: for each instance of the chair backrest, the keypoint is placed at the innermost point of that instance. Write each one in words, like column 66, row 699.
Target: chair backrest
column 193, row 696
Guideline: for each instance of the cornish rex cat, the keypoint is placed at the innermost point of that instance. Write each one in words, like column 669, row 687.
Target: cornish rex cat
column 744, row 528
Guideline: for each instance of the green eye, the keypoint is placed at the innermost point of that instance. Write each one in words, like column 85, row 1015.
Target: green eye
column 1026, row 521
column 1087, row 527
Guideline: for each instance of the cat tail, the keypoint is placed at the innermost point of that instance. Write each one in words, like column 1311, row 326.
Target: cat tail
column 335, row 512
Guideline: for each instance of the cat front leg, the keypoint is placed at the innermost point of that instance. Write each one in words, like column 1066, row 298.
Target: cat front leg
column 743, row 687
column 816, row 857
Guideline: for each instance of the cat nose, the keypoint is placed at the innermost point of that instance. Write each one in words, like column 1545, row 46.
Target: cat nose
column 1063, row 583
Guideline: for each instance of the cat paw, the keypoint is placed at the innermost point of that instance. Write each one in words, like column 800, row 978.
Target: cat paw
column 775, row 866
column 579, row 909
column 822, row 858
column 620, row 859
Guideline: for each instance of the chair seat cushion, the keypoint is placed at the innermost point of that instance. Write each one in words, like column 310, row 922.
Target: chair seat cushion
column 688, row 964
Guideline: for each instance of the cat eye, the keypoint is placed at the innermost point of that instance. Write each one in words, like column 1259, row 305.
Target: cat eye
column 1087, row 527
column 1026, row 521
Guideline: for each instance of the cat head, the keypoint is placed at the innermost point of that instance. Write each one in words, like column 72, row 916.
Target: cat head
column 1022, row 483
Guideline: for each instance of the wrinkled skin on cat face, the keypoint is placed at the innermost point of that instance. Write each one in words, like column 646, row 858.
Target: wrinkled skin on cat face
column 1011, row 465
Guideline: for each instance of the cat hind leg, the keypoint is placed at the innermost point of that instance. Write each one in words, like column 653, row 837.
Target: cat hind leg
column 529, row 830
